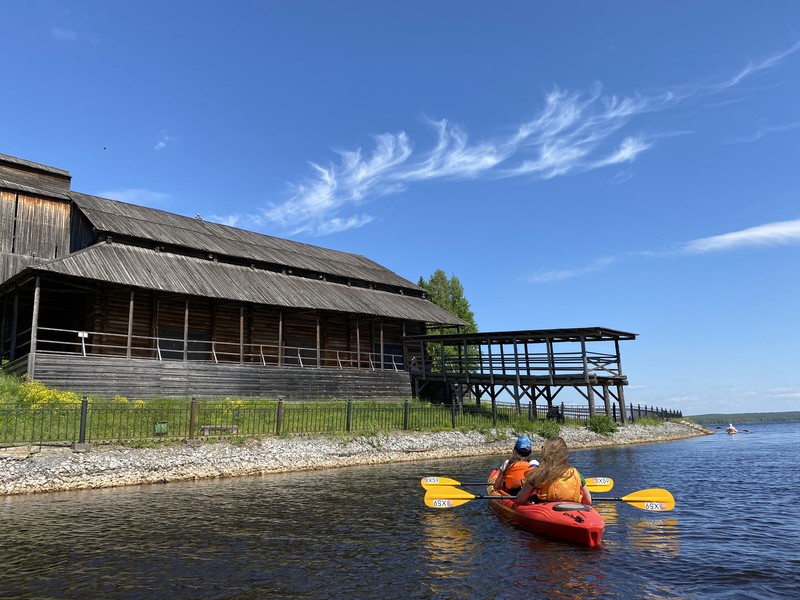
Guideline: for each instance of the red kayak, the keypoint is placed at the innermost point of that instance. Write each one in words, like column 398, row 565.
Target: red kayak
column 568, row 521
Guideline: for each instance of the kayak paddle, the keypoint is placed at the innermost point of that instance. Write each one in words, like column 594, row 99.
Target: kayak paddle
column 593, row 484
column 655, row 499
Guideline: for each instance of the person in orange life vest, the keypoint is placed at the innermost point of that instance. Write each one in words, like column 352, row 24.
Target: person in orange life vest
column 554, row 479
column 512, row 471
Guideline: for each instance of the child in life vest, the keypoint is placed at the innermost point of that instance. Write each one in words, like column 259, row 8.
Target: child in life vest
column 554, row 479
column 512, row 471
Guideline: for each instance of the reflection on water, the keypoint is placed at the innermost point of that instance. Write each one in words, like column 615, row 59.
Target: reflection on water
column 607, row 510
column 661, row 535
column 449, row 545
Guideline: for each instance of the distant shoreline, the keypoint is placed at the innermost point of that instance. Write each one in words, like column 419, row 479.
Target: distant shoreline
column 32, row 471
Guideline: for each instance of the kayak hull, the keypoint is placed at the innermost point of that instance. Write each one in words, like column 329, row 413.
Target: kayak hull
column 568, row 521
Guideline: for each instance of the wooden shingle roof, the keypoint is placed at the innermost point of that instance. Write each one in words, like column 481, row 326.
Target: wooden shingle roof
column 145, row 268
column 110, row 218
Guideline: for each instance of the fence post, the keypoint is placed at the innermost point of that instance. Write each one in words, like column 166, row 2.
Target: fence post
column 84, row 414
column 278, row 416
column 453, row 414
column 530, row 411
column 494, row 411
column 349, row 419
column 192, row 417
column 614, row 412
column 405, row 415
column 631, row 407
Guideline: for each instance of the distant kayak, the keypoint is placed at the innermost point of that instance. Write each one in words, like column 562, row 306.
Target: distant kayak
column 569, row 521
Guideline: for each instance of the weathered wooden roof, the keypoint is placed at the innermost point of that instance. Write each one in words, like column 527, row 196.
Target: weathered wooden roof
column 531, row 336
column 150, row 269
column 33, row 178
column 110, row 218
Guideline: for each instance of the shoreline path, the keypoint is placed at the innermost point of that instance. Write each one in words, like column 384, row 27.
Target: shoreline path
column 47, row 469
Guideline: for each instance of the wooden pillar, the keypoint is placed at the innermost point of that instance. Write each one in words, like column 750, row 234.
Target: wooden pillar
column 186, row 330
column 517, row 396
column 382, row 350
column 607, row 399
column 130, row 325
column 241, row 334
column 589, row 387
column 621, row 398
column 319, row 341
column 37, row 292
column 358, row 343
column 280, row 337
column 551, row 361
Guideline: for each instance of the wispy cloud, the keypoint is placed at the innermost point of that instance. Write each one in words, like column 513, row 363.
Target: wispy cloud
column 64, row 34
column 781, row 233
column 163, row 140
column 561, row 274
column 571, row 133
column 765, row 131
column 772, row 234
column 136, row 196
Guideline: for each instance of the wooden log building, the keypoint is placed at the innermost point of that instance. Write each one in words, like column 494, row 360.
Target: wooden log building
column 111, row 298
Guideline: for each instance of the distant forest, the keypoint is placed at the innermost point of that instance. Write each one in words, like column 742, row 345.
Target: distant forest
column 770, row 417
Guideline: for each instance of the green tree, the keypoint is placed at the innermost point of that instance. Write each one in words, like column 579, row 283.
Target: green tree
column 449, row 295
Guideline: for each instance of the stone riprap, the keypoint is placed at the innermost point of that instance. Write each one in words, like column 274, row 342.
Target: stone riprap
column 46, row 469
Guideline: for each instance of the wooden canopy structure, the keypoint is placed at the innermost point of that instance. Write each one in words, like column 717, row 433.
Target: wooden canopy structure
column 532, row 364
column 113, row 298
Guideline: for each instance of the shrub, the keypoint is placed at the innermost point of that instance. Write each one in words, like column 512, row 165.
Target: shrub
column 602, row 424
column 546, row 429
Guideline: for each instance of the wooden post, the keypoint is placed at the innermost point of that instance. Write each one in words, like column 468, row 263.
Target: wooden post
column 380, row 323
column 241, row 334
column 280, row 338
column 130, row 325
column 606, row 399
column 186, row 330
column 358, row 343
column 319, row 341
column 621, row 400
column 517, row 394
column 34, row 328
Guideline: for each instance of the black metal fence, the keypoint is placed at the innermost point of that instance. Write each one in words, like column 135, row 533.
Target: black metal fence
column 63, row 424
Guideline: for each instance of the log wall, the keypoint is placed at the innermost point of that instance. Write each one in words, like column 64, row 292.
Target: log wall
column 140, row 378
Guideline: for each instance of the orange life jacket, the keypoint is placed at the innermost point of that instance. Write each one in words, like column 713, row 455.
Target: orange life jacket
column 515, row 475
column 567, row 487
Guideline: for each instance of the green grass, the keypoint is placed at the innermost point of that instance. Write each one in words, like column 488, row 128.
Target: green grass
column 32, row 412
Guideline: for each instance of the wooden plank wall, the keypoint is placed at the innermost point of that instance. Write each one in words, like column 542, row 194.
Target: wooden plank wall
column 39, row 227
column 220, row 321
column 140, row 378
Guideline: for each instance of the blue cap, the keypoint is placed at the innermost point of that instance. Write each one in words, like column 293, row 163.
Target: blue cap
column 523, row 445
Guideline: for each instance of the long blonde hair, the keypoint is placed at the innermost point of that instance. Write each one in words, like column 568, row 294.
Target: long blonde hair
column 555, row 460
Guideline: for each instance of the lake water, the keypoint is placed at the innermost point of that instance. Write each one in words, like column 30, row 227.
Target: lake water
column 364, row 532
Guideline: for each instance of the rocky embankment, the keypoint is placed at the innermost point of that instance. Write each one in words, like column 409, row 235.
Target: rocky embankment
column 34, row 470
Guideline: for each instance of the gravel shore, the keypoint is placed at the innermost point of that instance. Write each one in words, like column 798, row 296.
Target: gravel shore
column 35, row 470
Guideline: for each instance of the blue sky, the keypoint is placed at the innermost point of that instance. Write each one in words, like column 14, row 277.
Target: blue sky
column 628, row 165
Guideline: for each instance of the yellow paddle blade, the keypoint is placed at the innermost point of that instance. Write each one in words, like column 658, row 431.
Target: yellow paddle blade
column 432, row 482
column 447, row 497
column 599, row 484
column 651, row 499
